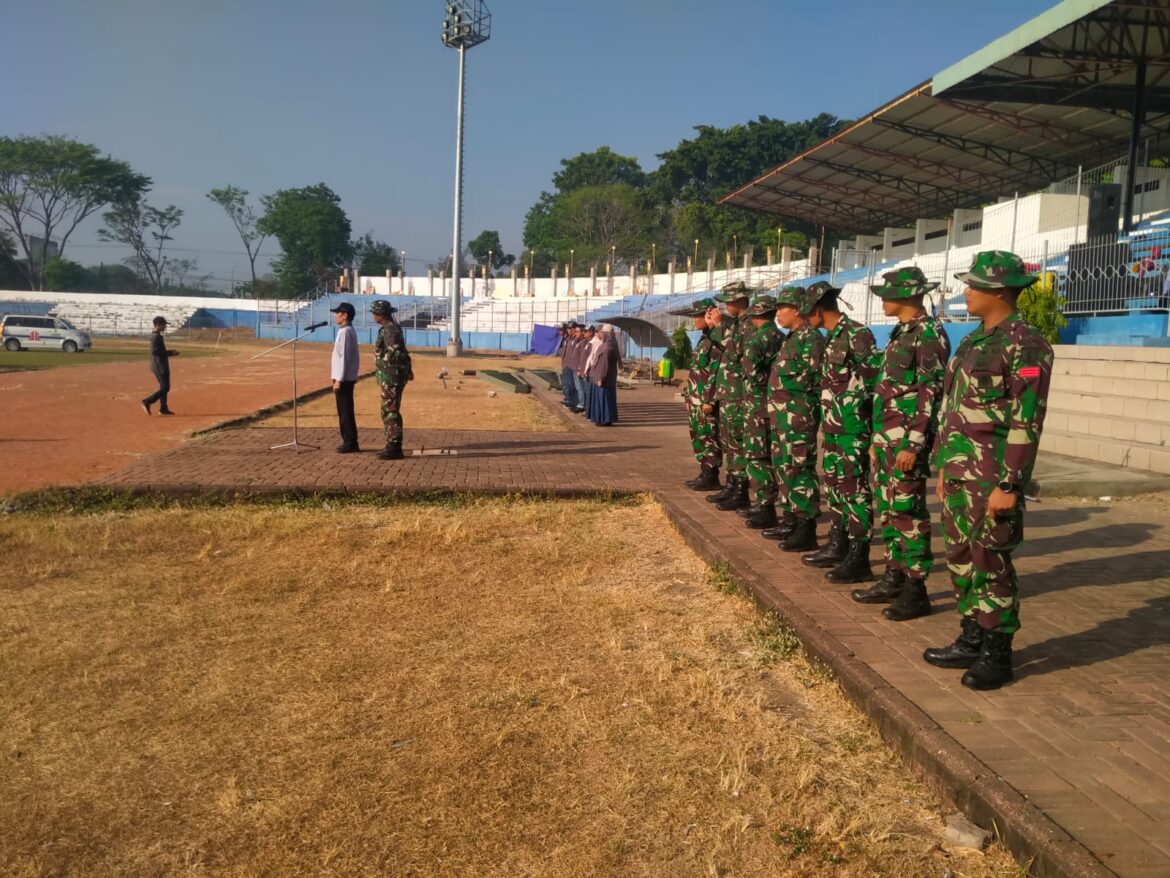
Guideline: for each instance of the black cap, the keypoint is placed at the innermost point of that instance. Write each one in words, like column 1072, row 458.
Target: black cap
column 343, row 308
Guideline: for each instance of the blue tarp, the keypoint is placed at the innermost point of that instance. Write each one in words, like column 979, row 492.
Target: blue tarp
column 545, row 340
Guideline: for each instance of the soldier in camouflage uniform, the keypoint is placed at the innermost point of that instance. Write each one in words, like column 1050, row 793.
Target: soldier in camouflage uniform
column 392, row 370
column 794, row 406
column 848, row 375
column 759, row 355
column 906, row 402
column 734, row 328
column 993, row 411
column 699, row 394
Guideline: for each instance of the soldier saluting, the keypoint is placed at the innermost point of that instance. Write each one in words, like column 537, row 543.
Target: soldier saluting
column 392, row 370
column 906, row 403
column 993, row 412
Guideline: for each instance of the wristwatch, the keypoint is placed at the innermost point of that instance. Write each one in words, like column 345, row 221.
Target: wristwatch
column 1008, row 487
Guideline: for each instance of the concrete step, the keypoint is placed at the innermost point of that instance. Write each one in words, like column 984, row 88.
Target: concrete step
column 1136, row 455
column 1087, row 402
column 1116, row 427
column 1120, row 368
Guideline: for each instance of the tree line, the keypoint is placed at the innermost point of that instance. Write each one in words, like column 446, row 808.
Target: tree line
column 604, row 208
column 604, row 211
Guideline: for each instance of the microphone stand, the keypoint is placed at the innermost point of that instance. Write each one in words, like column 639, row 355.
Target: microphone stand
column 296, row 445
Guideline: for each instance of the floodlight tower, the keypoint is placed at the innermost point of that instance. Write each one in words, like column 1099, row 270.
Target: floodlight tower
column 467, row 23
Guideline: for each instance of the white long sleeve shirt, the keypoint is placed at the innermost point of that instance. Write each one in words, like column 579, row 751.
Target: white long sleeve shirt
column 345, row 355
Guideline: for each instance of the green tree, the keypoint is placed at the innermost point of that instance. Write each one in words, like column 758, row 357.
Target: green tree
column 374, row 258
column 595, row 219
column 146, row 231
column 65, row 276
column 234, row 202
column 49, row 185
column 680, row 347
column 314, row 235
column 1042, row 307
column 12, row 277
column 602, row 167
column 488, row 242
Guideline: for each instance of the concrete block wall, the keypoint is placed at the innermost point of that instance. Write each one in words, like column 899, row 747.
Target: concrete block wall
column 1111, row 404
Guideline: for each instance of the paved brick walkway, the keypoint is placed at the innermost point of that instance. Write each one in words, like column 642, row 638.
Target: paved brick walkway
column 1072, row 761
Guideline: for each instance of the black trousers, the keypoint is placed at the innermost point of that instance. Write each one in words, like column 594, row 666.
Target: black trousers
column 160, row 395
column 345, row 415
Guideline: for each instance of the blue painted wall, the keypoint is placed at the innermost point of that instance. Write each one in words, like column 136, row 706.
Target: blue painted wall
column 1118, row 329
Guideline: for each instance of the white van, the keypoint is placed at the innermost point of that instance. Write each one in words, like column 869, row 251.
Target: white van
column 26, row 332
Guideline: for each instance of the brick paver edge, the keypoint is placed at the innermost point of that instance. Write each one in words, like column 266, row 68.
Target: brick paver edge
column 947, row 766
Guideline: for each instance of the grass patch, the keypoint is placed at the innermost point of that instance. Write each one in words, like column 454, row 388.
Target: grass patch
column 104, row 350
column 488, row 687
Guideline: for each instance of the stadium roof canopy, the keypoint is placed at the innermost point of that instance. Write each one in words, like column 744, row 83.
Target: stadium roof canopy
column 1061, row 92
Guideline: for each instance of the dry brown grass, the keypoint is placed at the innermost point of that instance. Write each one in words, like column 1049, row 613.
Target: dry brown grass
column 496, row 689
column 464, row 404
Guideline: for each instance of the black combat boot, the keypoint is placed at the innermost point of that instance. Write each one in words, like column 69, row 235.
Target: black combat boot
column 708, row 481
column 854, row 567
column 392, row 451
column 968, row 646
column 993, row 668
column 690, row 483
column 884, row 591
column 803, row 538
column 726, row 493
column 781, row 531
column 911, row 603
column 761, row 516
column 833, row 552
column 737, row 500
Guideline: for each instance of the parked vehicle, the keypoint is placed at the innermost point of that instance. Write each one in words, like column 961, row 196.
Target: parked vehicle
column 25, row 332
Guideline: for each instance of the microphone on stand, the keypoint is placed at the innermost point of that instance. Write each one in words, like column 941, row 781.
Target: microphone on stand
column 313, row 326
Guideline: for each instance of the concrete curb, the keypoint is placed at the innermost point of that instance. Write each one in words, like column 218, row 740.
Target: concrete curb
column 948, row 767
column 269, row 410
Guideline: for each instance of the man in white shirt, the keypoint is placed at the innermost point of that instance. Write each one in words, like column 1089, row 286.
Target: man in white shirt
column 345, row 372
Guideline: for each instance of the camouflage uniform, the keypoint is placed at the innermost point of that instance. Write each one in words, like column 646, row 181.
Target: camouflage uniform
column 906, row 401
column 700, row 389
column 848, row 375
column 392, row 369
column 795, row 411
column 992, row 415
column 758, row 356
column 729, row 390
column 705, row 427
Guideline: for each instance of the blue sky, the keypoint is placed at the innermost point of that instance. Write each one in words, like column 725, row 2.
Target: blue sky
column 361, row 95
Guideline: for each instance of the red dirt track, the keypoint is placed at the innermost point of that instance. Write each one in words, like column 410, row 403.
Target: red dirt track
column 69, row 426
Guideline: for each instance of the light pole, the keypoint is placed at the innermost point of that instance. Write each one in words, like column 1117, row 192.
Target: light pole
column 402, row 268
column 467, row 23
column 696, row 251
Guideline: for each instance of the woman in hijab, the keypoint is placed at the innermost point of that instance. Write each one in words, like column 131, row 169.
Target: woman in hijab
column 602, row 373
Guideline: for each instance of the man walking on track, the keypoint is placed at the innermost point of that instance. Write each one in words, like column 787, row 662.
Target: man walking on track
column 160, row 367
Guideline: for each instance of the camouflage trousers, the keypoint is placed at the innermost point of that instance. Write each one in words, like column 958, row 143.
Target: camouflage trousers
column 901, row 509
column 845, row 463
column 705, row 435
column 979, row 555
column 391, row 403
column 731, row 428
column 757, row 453
column 794, row 424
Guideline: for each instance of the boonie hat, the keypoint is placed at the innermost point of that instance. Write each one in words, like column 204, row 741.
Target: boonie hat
column 796, row 297
column 997, row 270
column 903, row 283
column 762, row 306
column 734, row 291
column 382, row 307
